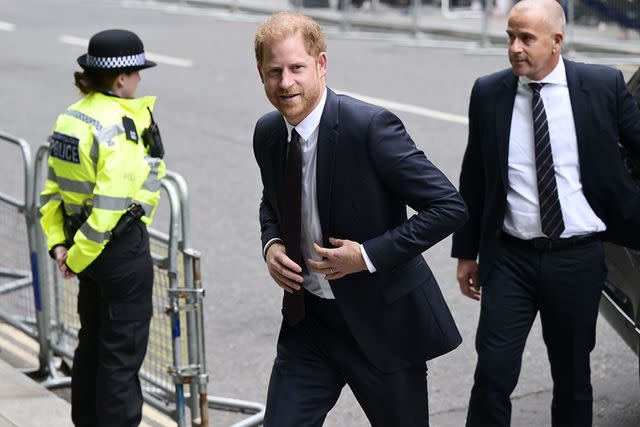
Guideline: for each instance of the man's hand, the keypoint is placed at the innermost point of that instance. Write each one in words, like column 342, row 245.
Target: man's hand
column 61, row 259
column 344, row 259
column 282, row 269
column 468, row 278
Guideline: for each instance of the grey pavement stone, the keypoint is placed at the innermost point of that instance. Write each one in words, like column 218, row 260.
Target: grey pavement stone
column 25, row 403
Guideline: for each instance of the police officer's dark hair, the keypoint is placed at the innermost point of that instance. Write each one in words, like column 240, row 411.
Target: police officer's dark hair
column 95, row 81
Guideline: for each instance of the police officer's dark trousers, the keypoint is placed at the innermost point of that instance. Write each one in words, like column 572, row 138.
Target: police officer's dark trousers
column 115, row 306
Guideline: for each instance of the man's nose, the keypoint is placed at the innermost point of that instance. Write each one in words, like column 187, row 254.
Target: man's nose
column 515, row 46
column 287, row 80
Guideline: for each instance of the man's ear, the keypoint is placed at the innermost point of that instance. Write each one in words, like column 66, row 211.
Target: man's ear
column 322, row 63
column 557, row 42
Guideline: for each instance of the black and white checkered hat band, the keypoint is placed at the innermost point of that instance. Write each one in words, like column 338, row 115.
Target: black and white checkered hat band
column 116, row 61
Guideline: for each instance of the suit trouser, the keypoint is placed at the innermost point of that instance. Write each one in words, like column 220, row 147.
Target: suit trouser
column 114, row 304
column 565, row 286
column 317, row 357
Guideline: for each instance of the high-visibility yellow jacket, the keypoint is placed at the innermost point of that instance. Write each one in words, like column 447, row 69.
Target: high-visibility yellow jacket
column 97, row 158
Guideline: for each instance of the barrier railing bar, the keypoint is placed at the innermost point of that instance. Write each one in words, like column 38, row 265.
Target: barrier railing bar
column 158, row 235
column 40, row 293
column 15, row 285
column 172, row 271
column 20, row 325
column 241, row 406
column 54, row 378
column 185, row 244
column 13, row 202
column 203, row 376
column 12, row 272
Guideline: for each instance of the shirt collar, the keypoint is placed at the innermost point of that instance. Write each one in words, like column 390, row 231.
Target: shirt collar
column 307, row 126
column 558, row 76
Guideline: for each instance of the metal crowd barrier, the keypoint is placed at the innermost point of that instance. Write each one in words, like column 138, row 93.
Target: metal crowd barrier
column 174, row 373
column 453, row 9
column 623, row 13
column 21, row 293
column 603, row 25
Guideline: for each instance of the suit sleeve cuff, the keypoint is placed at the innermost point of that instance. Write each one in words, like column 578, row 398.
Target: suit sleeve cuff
column 268, row 245
column 370, row 266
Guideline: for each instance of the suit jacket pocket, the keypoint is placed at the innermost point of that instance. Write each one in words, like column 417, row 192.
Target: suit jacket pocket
column 405, row 278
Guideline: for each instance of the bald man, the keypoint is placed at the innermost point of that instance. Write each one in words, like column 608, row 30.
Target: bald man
column 544, row 185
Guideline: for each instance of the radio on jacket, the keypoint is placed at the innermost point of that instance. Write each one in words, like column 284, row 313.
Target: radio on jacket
column 152, row 140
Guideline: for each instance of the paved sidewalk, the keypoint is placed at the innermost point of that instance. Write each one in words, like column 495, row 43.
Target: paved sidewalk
column 25, row 403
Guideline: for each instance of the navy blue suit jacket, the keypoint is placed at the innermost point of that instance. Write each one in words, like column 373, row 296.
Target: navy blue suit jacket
column 604, row 113
column 368, row 171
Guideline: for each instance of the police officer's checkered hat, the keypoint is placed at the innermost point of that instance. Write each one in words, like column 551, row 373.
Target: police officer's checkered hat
column 115, row 50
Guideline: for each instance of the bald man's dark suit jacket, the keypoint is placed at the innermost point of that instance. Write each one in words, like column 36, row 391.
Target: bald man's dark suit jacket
column 368, row 171
column 604, row 113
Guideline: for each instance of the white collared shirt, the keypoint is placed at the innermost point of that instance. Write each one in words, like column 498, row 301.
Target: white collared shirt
column 522, row 215
column 311, row 230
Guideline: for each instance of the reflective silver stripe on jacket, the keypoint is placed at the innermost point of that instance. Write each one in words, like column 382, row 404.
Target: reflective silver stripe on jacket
column 44, row 199
column 111, row 203
column 72, row 185
column 105, row 136
column 93, row 235
column 83, row 187
column 152, row 183
column 83, row 117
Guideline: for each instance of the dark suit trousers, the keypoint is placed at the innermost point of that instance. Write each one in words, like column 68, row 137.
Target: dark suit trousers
column 314, row 361
column 564, row 285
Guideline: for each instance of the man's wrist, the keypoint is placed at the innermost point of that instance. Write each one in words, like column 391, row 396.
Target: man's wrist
column 367, row 261
column 269, row 244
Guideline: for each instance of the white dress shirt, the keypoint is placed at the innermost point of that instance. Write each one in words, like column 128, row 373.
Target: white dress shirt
column 522, row 215
column 311, row 230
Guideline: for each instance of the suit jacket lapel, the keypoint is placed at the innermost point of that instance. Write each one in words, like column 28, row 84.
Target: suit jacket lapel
column 581, row 109
column 505, row 98
column 328, row 136
column 277, row 149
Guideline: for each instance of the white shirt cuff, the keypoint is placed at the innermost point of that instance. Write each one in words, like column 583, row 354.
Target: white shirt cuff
column 370, row 266
column 268, row 245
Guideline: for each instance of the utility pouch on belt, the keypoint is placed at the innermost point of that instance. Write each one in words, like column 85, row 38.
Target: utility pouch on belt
column 72, row 223
column 151, row 138
column 133, row 213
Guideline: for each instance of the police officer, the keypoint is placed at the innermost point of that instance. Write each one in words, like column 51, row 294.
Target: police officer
column 105, row 166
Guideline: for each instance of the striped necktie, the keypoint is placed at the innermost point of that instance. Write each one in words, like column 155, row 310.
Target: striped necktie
column 550, row 211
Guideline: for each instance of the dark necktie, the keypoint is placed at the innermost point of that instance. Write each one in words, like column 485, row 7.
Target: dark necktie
column 293, row 303
column 550, row 211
